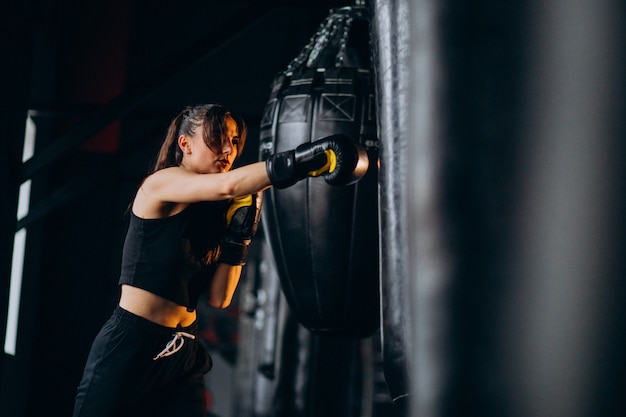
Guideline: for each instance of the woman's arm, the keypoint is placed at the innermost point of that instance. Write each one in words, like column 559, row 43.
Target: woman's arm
column 178, row 185
column 242, row 219
column 223, row 285
column 169, row 190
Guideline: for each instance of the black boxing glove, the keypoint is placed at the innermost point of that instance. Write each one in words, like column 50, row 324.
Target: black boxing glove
column 242, row 220
column 338, row 158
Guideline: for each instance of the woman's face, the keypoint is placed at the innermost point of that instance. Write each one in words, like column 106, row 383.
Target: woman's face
column 205, row 160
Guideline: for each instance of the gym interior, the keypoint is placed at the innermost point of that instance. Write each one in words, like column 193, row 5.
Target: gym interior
column 477, row 269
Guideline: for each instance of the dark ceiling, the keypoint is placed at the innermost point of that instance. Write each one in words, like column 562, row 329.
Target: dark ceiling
column 179, row 52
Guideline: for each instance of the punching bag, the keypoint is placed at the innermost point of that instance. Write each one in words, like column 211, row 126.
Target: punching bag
column 390, row 51
column 283, row 369
column 324, row 238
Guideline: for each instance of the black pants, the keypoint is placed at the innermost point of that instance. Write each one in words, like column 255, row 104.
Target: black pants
column 126, row 376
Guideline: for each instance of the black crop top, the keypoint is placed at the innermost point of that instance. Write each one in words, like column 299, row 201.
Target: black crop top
column 174, row 257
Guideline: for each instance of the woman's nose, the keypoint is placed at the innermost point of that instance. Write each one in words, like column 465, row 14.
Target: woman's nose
column 227, row 147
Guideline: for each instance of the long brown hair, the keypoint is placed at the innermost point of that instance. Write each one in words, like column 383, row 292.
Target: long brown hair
column 212, row 117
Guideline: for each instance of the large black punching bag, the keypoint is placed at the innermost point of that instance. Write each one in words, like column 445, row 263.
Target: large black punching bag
column 324, row 238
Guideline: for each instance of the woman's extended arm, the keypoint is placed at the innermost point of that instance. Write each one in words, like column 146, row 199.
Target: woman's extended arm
column 167, row 191
column 178, row 185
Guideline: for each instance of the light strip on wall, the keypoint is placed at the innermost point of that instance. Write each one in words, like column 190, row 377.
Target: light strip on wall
column 19, row 247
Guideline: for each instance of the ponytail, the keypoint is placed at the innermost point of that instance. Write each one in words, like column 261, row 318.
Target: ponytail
column 170, row 153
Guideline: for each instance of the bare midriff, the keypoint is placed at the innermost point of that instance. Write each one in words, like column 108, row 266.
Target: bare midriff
column 155, row 308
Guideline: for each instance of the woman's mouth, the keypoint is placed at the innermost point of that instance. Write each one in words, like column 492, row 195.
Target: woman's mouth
column 223, row 163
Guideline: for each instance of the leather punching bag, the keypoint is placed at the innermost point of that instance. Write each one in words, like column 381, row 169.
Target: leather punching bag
column 390, row 52
column 324, row 238
column 282, row 368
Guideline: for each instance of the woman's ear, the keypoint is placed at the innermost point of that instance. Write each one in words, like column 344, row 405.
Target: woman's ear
column 184, row 144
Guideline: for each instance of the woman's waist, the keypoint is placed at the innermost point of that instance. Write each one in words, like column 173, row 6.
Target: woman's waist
column 155, row 308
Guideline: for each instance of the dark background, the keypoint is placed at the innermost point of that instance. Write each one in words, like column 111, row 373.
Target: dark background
column 101, row 80
column 527, row 192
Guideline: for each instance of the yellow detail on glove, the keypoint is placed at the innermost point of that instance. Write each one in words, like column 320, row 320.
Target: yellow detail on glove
column 329, row 166
column 237, row 203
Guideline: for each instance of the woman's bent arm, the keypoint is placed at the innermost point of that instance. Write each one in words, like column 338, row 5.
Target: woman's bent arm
column 223, row 285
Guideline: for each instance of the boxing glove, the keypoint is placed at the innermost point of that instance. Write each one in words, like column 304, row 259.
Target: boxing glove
column 242, row 222
column 338, row 158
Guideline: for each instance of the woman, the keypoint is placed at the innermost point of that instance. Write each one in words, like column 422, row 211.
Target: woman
column 190, row 225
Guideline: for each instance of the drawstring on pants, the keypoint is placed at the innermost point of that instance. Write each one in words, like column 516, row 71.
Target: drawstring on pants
column 174, row 345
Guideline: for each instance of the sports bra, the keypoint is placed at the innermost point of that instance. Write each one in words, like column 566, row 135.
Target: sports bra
column 174, row 257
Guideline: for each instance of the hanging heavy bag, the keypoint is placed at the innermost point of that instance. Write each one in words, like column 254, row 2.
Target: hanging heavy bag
column 325, row 239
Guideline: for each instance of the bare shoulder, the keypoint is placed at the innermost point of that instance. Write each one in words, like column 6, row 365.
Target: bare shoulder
column 152, row 200
column 165, row 176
